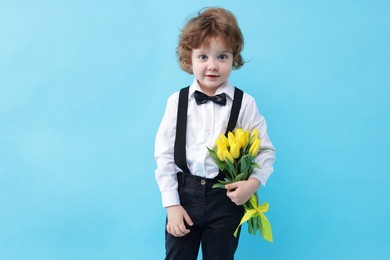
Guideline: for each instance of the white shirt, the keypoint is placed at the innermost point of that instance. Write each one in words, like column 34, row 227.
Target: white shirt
column 205, row 123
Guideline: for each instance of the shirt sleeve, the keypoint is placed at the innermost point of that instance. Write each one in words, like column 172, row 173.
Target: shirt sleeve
column 252, row 119
column 164, row 154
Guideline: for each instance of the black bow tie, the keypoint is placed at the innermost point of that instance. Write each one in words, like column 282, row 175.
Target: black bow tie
column 202, row 98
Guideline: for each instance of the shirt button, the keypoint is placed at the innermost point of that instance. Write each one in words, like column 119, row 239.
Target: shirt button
column 203, row 182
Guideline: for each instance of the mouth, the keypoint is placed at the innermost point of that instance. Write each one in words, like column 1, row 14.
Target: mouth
column 212, row 76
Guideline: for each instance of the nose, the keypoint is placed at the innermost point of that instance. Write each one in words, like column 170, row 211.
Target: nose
column 212, row 65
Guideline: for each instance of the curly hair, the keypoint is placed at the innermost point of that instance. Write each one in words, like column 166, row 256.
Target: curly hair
column 208, row 24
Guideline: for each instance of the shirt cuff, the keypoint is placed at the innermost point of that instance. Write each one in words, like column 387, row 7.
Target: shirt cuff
column 261, row 175
column 170, row 198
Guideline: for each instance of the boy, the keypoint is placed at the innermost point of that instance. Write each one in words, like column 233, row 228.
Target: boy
column 209, row 48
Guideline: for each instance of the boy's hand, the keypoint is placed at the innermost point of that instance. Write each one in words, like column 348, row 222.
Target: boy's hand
column 240, row 192
column 176, row 217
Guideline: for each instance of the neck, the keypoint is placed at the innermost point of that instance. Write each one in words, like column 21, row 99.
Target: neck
column 209, row 91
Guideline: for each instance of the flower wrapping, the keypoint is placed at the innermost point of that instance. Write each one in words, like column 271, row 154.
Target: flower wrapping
column 234, row 155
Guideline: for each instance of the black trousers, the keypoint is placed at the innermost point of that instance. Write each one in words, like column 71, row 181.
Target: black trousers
column 215, row 219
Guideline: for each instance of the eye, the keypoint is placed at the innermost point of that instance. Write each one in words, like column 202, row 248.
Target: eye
column 223, row 57
column 202, row 57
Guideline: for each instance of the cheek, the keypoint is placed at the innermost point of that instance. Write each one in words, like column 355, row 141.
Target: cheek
column 227, row 69
column 196, row 67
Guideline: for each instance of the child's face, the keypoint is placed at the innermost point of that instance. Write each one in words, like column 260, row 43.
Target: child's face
column 212, row 65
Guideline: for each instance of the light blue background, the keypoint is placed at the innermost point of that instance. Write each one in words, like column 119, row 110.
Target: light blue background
column 83, row 86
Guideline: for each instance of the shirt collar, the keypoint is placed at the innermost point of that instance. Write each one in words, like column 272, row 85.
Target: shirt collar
column 226, row 88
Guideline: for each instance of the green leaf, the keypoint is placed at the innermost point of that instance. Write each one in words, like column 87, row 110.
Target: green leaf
column 255, row 165
column 244, row 166
column 246, row 148
column 220, row 164
column 250, row 226
column 219, row 185
column 266, row 148
column 239, row 177
column 226, row 172
column 214, row 155
column 246, row 205
column 256, row 225
column 231, row 168
column 226, row 181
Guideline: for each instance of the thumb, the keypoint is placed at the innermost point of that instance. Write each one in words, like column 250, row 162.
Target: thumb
column 187, row 218
column 231, row 186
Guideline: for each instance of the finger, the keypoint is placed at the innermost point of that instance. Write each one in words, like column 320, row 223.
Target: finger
column 235, row 201
column 183, row 229
column 233, row 197
column 178, row 232
column 172, row 231
column 187, row 218
column 231, row 193
column 231, row 186
column 169, row 229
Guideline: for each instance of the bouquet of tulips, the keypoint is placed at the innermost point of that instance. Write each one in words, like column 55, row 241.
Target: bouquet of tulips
column 234, row 155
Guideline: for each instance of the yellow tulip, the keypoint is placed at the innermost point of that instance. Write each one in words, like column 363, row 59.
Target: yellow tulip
column 254, row 147
column 222, row 141
column 254, row 135
column 221, row 152
column 231, row 139
column 237, row 131
column 246, row 136
column 221, row 155
column 242, row 138
column 228, row 156
column 219, row 142
column 235, row 150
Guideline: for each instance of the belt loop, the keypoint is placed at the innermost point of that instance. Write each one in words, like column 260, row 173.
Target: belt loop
column 181, row 176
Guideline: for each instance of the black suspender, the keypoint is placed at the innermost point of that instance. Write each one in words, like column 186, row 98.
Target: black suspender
column 181, row 131
column 181, row 125
column 236, row 106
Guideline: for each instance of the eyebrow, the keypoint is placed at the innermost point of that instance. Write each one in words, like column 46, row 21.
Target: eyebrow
column 203, row 51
